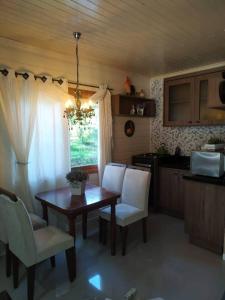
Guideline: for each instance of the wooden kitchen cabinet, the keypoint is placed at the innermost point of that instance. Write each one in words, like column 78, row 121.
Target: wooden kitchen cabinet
column 205, row 214
column 193, row 100
column 178, row 104
column 171, row 189
column 206, row 95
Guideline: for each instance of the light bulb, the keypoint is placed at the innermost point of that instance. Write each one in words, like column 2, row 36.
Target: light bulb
column 69, row 103
column 85, row 105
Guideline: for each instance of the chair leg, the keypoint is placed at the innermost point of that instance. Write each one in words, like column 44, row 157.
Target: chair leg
column 124, row 233
column 52, row 259
column 105, row 232
column 30, row 282
column 8, row 260
column 100, row 222
column 84, row 225
column 15, row 270
column 144, row 228
column 71, row 263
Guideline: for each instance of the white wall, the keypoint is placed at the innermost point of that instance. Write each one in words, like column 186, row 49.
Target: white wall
column 24, row 57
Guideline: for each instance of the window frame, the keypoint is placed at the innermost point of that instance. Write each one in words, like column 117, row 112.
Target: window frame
column 90, row 169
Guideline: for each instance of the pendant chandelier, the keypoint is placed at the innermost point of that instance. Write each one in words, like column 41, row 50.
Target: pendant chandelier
column 74, row 112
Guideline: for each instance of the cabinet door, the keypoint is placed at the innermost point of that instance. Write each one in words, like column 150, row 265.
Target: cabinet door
column 205, row 94
column 204, row 214
column 171, row 191
column 164, row 188
column 180, row 187
column 214, row 98
column 178, row 102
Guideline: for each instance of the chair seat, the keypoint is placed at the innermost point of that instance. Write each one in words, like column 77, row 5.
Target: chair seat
column 50, row 241
column 125, row 214
column 37, row 222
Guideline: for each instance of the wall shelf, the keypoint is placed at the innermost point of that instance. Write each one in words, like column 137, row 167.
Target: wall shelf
column 122, row 105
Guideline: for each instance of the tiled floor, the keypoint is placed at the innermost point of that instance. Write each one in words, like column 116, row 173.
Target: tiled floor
column 167, row 267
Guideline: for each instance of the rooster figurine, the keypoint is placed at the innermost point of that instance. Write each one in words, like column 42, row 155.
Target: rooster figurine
column 127, row 86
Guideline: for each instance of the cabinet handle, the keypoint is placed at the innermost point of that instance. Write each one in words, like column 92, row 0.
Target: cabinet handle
column 189, row 122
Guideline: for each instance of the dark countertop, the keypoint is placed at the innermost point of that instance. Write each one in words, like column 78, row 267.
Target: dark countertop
column 175, row 162
column 206, row 179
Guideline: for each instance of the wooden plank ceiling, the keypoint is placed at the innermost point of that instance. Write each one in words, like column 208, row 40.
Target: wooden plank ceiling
column 150, row 37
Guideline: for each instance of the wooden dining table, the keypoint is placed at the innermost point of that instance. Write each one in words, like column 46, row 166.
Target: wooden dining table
column 72, row 206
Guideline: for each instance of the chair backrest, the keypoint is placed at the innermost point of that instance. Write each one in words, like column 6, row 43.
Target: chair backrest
column 113, row 177
column 3, row 233
column 19, row 230
column 11, row 195
column 135, row 189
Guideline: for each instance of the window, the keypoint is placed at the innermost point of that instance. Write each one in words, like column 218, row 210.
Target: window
column 84, row 140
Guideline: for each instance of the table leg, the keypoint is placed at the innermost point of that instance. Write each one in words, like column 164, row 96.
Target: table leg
column 113, row 229
column 72, row 227
column 72, row 231
column 84, row 225
column 45, row 212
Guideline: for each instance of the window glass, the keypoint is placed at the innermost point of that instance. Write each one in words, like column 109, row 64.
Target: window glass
column 84, row 143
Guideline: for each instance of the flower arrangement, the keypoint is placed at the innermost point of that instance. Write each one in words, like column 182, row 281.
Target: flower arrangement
column 77, row 175
column 215, row 141
column 214, row 144
column 162, row 150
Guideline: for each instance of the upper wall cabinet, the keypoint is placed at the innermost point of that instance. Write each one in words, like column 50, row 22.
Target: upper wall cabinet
column 124, row 105
column 178, row 104
column 193, row 100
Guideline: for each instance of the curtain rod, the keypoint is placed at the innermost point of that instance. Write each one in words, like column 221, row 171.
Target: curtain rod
column 44, row 78
column 88, row 85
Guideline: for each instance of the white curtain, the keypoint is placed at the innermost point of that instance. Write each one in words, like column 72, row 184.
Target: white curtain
column 34, row 152
column 103, row 97
column 50, row 153
column 18, row 101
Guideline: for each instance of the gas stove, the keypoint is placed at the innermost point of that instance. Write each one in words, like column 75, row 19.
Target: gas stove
column 144, row 159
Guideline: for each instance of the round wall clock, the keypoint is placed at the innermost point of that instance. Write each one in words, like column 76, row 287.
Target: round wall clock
column 129, row 128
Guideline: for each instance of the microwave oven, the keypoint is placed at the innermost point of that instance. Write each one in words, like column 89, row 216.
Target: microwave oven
column 207, row 163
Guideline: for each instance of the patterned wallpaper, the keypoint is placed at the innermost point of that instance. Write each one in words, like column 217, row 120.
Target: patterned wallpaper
column 187, row 138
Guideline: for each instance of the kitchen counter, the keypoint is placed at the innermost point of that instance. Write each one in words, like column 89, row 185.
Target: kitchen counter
column 175, row 162
column 206, row 179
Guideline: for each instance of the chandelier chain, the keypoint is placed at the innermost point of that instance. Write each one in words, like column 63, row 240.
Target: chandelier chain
column 75, row 113
column 77, row 59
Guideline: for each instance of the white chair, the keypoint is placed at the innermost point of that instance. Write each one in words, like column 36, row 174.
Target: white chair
column 32, row 247
column 36, row 221
column 112, row 181
column 134, row 203
column 113, row 175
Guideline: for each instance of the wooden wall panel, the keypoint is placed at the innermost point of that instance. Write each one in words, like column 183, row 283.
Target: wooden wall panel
column 124, row 147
